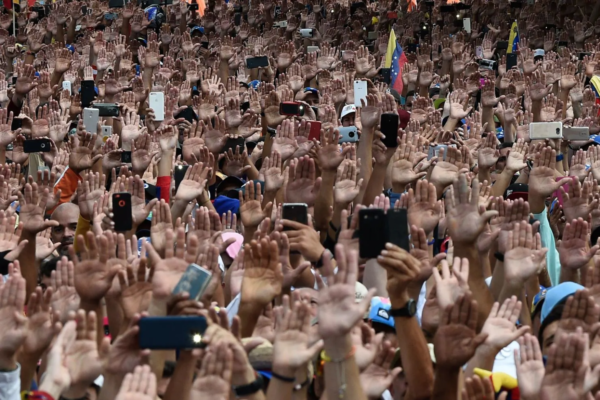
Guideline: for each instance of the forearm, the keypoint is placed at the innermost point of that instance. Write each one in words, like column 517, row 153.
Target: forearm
column 178, row 208
column 450, row 124
column 536, row 110
column 71, row 30
column 29, row 363
column 116, row 317
column 147, row 78
column 224, row 70
column 96, row 306
column 181, row 381
column 166, row 163
column 375, row 184
column 483, row 359
column 324, row 200
column 415, row 353
column 477, row 285
column 342, row 378
column 111, row 386
column 29, row 265
column 248, row 314
column 364, row 152
column 502, row 182
column 375, row 276
column 446, row 384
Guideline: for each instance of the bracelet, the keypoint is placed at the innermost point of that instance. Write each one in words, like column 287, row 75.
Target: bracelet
column 559, row 157
column 283, row 378
column 300, row 386
column 36, row 395
column 249, row 388
column 326, row 358
column 430, row 243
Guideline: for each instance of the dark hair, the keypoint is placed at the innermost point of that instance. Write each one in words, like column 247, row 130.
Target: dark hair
column 47, row 267
column 554, row 315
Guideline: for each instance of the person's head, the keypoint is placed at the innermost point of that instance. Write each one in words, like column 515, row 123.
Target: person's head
column 66, row 215
column 311, row 96
column 348, row 115
column 311, row 296
column 552, row 311
column 46, row 272
column 410, row 96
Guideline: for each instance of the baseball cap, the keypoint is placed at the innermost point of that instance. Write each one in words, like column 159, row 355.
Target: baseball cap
column 223, row 204
column 197, row 28
column 360, row 292
column 517, row 191
column 348, row 109
column 311, row 90
column 380, row 311
column 229, row 180
column 557, row 295
column 538, row 301
column 539, row 53
column 254, row 84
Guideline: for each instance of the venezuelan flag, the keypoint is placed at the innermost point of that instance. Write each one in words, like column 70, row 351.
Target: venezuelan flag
column 395, row 60
column 513, row 40
column 595, row 84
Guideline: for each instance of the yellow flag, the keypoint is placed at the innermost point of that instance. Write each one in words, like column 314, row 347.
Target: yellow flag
column 513, row 39
column 390, row 49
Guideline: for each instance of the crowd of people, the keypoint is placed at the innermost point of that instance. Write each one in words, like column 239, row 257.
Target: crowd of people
column 252, row 138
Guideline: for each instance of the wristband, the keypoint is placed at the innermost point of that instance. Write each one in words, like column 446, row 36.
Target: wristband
column 559, row 157
column 326, row 358
column 499, row 256
column 300, row 386
column 283, row 378
column 37, row 395
column 248, row 389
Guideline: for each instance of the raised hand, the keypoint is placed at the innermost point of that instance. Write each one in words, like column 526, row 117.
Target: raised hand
column 500, row 326
column 524, row 256
column 14, row 323
column 33, row 208
column 451, row 284
column 65, row 299
column 423, row 207
column 251, row 210
column 193, row 184
column 302, row 185
column 573, row 249
column 263, row 277
column 81, row 157
column 139, row 385
column 530, row 367
column 214, row 377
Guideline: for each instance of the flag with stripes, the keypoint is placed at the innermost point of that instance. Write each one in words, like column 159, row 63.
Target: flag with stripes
column 395, row 60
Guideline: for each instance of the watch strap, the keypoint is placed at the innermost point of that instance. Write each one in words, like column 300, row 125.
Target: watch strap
column 409, row 310
column 250, row 388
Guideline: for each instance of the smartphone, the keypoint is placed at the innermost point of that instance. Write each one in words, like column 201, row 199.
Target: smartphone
column 371, row 232
column 389, row 127
column 157, row 103
column 348, row 134
column 167, row 333
column 511, row 61
column 297, row 212
column 360, row 92
column 487, row 64
column 106, row 132
column 67, row 85
column 88, row 93
column 312, row 49
column 188, row 114
column 280, row 24
column 576, row 133
column 91, row 117
column 372, row 35
column 291, row 108
column 179, row 173
column 116, row 4
column 502, row 45
column 37, row 145
column 315, row 130
column 582, row 55
column 306, row 33
column 122, row 211
column 194, row 281
column 107, row 109
column 545, row 130
column 126, row 157
column 563, row 44
column 257, row 62
column 397, row 228
column 467, row 24
column 233, row 144
column 434, row 151
column 479, row 52
column 386, row 75
column 515, row 4
column 237, row 19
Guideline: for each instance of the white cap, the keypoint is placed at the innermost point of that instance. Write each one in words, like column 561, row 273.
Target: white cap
column 348, row 109
column 539, row 52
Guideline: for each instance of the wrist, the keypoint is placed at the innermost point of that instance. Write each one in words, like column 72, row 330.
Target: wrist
column 315, row 254
column 398, row 187
column 75, row 391
column 338, row 348
column 398, row 297
column 8, row 362
column 244, row 378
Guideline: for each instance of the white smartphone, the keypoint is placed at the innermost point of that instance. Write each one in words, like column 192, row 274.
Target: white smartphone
column 576, row 133
column 106, row 132
column 91, row 117
column 479, row 52
column 312, row 49
column 280, row 24
column 545, row 130
column 467, row 25
column 306, row 33
column 157, row 103
column 360, row 92
column 67, row 85
column 348, row 134
column 434, row 151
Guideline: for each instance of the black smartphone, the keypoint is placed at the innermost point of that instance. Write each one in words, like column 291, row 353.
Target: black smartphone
column 291, row 108
column 36, row 146
column 244, row 106
column 503, row 45
column 126, row 157
column 563, row 44
column 295, row 212
column 17, row 123
column 107, row 109
column 371, row 232
column 188, row 114
column 386, row 75
column 179, row 173
column 582, row 55
column 172, row 332
column 389, row 127
column 233, row 144
column 256, row 62
column 122, row 212
column 88, row 93
column 237, row 19
column 511, row 61
column 397, row 228
column 117, row 3
column 194, row 6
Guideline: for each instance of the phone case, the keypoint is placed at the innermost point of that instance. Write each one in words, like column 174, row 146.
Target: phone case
column 67, row 85
column 91, row 117
column 545, row 130
column 576, row 133
column 371, row 232
column 397, row 228
column 257, row 62
column 194, row 281
column 126, row 157
column 360, row 92
column 107, row 109
column 164, row 333
column 88, row 93
column 389, row 127
column 434, row 151
column 157, row 103
column 233, row 144
column 122, row 212
column 348, row 134
column 511, row 61
column 36, row 146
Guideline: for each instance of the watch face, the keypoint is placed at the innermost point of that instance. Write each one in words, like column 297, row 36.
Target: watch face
column 412, row 307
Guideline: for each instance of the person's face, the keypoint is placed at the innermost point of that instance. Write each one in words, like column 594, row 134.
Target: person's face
column 311, row 98
column 64, row 233
column 548, row 336
column 348, row 120
column 45, row 282
column 310, row 295
column 408, row 104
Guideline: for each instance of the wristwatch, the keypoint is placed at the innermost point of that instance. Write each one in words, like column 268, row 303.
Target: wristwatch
column 409, row 310
column 250, row 388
